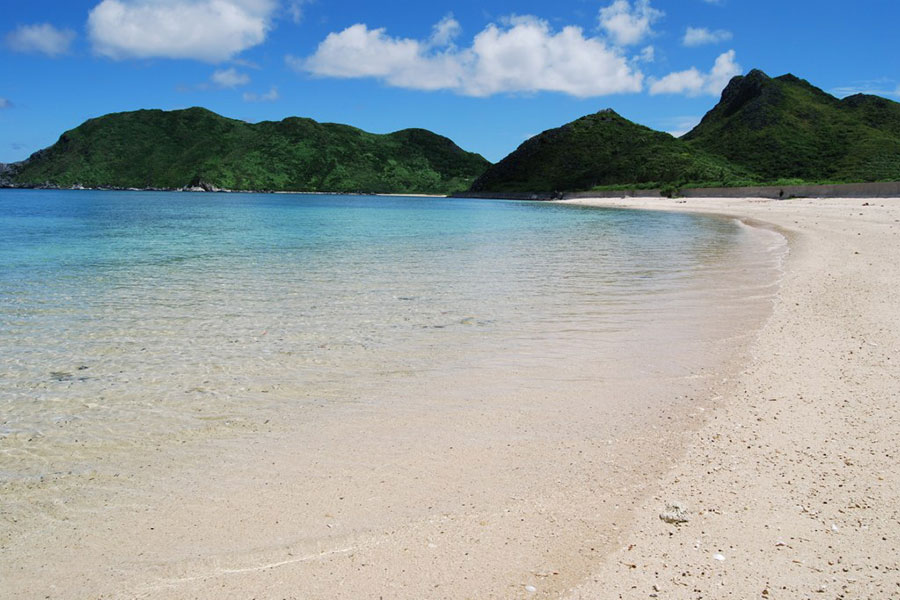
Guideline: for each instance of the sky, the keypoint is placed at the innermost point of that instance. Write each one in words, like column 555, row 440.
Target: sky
column 489, row 74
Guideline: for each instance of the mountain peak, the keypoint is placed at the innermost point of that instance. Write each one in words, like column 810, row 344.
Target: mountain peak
column 599, row 149
column 785, row 127
column 757, row 75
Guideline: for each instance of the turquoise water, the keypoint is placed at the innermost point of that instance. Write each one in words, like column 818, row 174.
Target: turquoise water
column 129, row 320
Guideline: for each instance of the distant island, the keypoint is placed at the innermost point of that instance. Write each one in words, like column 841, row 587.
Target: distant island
column 763, row 131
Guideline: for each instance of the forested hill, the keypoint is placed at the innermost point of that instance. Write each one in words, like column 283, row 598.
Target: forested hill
column 159, row 149
column 784, row 127
column 763, row 130
column 600, row 150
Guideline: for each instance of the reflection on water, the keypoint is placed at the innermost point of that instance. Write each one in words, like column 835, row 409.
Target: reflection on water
column 134, row 320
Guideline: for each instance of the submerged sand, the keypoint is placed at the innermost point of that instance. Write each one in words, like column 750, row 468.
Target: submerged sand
column 792, row 485
column 785, row 459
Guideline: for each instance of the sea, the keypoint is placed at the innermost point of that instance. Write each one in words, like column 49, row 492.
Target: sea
column 141, row 325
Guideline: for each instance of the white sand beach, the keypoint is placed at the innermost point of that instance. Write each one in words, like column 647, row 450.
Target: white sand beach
column 784, row 456
column 792, row 484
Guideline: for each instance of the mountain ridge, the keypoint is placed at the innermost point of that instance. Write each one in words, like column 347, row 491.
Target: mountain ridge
column 152, row 148
column 785, row 127
column 763, row 130
column 600, row 149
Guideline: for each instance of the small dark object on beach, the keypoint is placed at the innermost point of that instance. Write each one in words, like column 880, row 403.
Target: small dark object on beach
column 61, row 376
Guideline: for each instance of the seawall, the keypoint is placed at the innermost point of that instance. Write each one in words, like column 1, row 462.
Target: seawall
column 845, row 190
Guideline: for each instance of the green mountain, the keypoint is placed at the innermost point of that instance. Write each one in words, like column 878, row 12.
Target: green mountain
column 784, row 127
column 153, row 148
column 764, row 130
column 603, row 149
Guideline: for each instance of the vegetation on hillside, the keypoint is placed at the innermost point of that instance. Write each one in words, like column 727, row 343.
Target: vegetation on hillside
column 600, row 150
column 764, row 131
column 153, row 148
column 784, row 127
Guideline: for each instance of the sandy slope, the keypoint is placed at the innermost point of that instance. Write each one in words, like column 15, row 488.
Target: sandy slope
column 793, row 484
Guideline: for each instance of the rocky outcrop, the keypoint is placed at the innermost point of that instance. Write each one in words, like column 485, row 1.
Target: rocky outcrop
column 7, row 172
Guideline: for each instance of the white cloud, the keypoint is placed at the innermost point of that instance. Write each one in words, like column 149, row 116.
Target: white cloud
column 230, row 78
column 271, row 96
column 648, row 54
column 4, row 103
column 360, row 52
column 207, row 30
column 724, row 69
column 43, row 38
column 295, row 9
column 522, row 55
column 877, row 87
column 627, row 24
column 445, row 31
column 690, row 82
column 698, row 36
column 694, row 83
column 678, row 126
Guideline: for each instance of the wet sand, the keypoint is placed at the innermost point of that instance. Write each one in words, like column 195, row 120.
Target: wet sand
column 792, row 485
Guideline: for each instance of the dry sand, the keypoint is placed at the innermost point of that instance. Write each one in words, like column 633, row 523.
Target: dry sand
column 793, row 484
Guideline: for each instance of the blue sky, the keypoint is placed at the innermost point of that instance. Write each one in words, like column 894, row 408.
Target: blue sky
column 488, row 74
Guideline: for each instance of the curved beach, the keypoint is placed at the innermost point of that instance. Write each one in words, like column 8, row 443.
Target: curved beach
column 791, row 485
column 530, row 479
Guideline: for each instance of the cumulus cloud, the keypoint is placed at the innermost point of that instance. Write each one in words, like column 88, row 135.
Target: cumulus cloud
column 362, row 52
column 523, row 54
column 692, row 82
column 445, row 31
column 698, row 36
column 4, row 103
column 207, row 30
column 627, row 24
column 271, row 96
column 43, row 39
column 230, row 78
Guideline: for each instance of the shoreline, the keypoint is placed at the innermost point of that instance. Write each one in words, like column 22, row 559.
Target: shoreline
column 211, row 190
column 510, row 467
column 446, row 503
column 791, row 485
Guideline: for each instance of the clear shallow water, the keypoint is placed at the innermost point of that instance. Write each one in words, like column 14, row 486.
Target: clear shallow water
column 130, row 321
